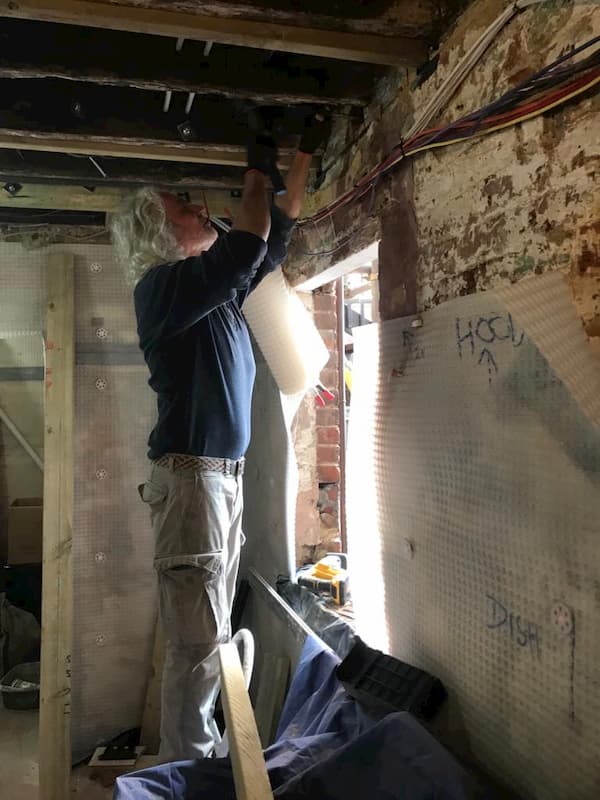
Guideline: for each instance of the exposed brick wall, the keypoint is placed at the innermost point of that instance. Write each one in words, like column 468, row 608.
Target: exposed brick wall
column 316, row 433
column 308, row 523
column 328, row 424
column 304, row 434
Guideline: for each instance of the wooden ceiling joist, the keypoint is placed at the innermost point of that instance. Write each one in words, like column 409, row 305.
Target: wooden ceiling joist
column 366, row 48
column 154, row 150
column 106, row 198
column 294, row 94
column 25, row 167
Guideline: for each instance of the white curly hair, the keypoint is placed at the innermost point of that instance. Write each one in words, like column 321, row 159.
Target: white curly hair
column 142, row 236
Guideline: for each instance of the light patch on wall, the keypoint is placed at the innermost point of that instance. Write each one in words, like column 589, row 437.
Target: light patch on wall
column 364, row 539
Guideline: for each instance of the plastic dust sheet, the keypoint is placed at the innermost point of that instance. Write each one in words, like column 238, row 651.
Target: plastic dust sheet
column 473, row 512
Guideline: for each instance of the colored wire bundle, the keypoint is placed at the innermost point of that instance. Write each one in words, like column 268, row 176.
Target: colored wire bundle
column 555, row 84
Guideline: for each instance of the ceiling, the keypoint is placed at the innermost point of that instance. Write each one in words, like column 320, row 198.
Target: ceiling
column 119, row 94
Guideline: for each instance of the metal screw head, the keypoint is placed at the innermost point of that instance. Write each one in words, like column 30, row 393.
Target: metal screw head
column 101, row 384
column 101, row 333
column 77, row 109
column 186, row 130
column 95, row 267
column 100, row 557
column 12, row 188
column 101, row 474
column 100, row 639
column 562, row 618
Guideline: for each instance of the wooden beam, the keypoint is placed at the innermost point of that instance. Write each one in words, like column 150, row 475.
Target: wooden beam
column 249, row 768
column 76, row 198
column 290, row 93
column 74, row 54
column 149, row 149
column 50, row 168
column 54, row 748
column 367, row 48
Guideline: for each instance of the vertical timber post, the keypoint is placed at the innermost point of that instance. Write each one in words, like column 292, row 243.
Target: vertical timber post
column 57, row 578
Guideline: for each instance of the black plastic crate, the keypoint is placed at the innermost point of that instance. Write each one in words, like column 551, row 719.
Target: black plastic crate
column 383, row 684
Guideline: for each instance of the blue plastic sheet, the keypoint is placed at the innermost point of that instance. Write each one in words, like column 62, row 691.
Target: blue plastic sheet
column 327, row 747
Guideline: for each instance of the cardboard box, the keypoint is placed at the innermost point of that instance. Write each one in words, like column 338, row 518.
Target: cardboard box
column 25, row 531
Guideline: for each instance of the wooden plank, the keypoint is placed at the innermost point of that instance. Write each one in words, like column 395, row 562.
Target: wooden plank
column 150, row 149
column 73, row 54
column 367, row 48
column 108, row 199
column 52, row 168
column 291, row 92
column 67, row 198
column 249, row 768
column 55, row 689
column 150, row 736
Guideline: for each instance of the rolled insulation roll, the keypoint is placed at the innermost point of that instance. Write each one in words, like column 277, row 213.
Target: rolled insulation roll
column 286, row 334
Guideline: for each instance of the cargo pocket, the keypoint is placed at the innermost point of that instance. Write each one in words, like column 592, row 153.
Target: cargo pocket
column 154, row 495
column 193, row 599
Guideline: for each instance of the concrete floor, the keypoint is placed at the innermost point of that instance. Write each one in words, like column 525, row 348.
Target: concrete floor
column 19, row 765
column 18, row 754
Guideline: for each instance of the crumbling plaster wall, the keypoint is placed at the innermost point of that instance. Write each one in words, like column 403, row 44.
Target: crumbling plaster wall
column 468, row 217
column 526, row 199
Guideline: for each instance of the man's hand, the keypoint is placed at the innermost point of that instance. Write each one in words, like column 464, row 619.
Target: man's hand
column 315, row 133
column 262, row 156
column 254, row 214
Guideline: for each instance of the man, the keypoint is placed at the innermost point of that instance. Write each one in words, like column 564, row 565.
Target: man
column 191, row 286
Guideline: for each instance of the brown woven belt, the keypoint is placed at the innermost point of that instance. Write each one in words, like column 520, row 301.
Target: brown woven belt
column 202, row 463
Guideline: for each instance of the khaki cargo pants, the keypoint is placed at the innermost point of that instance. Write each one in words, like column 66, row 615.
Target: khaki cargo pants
column 197, row 521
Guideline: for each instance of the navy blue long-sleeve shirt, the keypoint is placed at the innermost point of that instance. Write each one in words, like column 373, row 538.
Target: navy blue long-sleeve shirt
column 196, row 341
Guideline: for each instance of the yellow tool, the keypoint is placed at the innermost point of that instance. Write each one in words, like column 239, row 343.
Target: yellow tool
column 328, row 576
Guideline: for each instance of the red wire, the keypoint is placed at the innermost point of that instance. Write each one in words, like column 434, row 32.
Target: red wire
column 365, row 183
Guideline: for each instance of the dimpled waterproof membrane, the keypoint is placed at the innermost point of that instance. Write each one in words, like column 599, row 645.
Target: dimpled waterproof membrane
column 474, row 517
column 113, row 578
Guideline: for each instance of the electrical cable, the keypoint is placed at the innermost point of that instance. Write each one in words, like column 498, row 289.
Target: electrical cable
column 334, row 249
column 551, row 86
column 465, row 65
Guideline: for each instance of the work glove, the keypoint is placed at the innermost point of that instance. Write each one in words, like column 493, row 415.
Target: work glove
column 262, row 156
column 316, row 131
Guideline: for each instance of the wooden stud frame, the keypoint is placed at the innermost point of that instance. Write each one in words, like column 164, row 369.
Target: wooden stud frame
column 57, row 587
